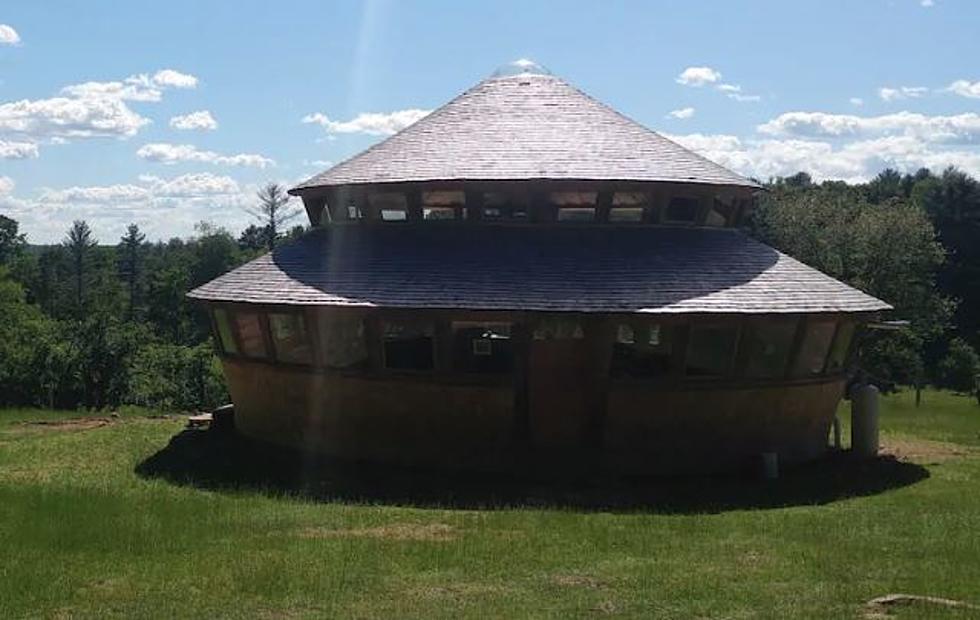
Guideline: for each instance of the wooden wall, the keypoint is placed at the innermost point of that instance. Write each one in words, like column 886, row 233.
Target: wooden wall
column 422, row 420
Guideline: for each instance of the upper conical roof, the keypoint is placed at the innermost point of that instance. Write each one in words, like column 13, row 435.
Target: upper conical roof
column 529, row 125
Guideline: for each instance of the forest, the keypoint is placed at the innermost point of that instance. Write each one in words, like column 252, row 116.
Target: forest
column 99, row 323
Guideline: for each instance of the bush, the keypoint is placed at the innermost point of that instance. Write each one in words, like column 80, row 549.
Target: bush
column 960, row 369
column 167, row 376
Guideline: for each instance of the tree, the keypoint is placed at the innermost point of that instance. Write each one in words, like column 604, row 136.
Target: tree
column 130, row 260
column 11, row 241
column 888, row 249
column 79, row 243
column 273, row 212
column 960, row 369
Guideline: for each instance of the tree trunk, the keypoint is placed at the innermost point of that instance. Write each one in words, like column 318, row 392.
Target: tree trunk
column 918, row 395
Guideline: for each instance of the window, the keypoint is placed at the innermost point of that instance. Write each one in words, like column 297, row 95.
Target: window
column 503, row 205
column 710, row 349
column 813, row 350
column 641, row 351
column 482, row 347
column 290, row 338
column 442, row 205
column 439, row 213
column 341, row 339
column 840, row 348
column 226, row 338
column 394, row 215
column 682, row 210
column 626, row 214
column 354, row 212
column 768, row 346
column 718, row 215
column 391, row 206
column 559, row 329
column 576, row 214
column 573, row 199
column 408, row 345
column 250, row 334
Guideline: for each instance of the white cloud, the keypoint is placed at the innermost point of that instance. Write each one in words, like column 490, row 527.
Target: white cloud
column 902, row 92
column 85, row 110
column 165, row 153
column 8, row 36
column 371, row 123
column 6, row 185
column 698, row 76
column 744, row 98
column 201, row 120
column 106, row 194
column 169, row 78
column 854, row 162
column 191, row 185
column 17, row 150
column 960, row 128
column 682, row 113
column 965, row 88
column 927, row 3
column 856, row 101
column 150, row 189
column 65, row 117
column 162, row 207
column 318, row 163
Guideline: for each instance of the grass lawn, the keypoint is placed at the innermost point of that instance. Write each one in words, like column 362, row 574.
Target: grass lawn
column 131, row 517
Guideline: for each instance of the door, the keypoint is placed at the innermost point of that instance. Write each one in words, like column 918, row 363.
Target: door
column 559, row 384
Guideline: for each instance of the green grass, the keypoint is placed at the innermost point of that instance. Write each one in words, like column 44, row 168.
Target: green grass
column 120, row 521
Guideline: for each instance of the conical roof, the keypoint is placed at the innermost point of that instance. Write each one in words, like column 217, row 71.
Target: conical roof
column 525, row 126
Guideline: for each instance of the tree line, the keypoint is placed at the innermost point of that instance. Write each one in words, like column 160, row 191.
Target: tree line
column 98, row 325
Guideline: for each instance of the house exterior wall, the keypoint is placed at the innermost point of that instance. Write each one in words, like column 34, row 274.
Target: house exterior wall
column 646, row 429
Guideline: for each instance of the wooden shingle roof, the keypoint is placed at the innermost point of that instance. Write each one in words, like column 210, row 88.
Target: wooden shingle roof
column 525, row 127
column 612, row 269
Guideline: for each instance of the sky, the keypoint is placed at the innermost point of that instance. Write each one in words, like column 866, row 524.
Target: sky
column 170, row 114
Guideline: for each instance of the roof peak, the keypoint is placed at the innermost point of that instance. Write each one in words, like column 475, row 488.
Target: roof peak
column 522, row 67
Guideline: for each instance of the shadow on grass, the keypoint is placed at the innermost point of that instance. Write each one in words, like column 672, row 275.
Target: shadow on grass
column 227, row 462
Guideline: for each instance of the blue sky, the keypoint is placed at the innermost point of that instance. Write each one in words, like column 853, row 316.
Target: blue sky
column 168, row 114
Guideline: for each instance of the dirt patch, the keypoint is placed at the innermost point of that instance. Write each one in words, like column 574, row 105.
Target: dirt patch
column 416, row 532
column 879, row 607
column 71, row 424
column 456, row 591
column 606, row 608
column 579, row 581
column 922, row 451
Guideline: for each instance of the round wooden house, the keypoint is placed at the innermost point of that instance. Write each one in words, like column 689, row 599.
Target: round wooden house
column 527, row 278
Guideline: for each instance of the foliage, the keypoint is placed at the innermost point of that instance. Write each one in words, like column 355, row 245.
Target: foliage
column 960, row 369
column 273, row 213
column 886, row 248
column 167, row 376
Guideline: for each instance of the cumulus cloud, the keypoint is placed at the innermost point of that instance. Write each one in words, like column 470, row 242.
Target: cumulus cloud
column 17, row 150
column 371, row 123
column 165, row 153
column 902, row 92
column 169, row 78
column 965, row 88
column 6, row 185
column 853, row 162
column 959, row 128
column 698, row 76
column 67, row 118
column 84, row 110
column 8, row 36
column 856, row 101
column 162, row 207
column 200, row 120
column 681, row 113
